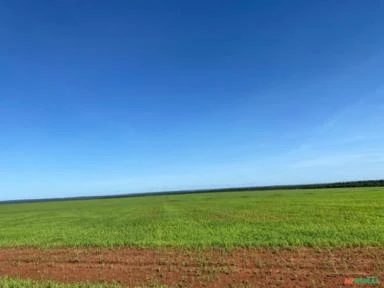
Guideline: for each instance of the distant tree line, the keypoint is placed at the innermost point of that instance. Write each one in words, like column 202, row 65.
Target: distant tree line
column 347, row 184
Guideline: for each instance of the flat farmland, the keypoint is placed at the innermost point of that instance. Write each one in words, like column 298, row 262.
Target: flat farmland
column 335, row 217
column 283, row 238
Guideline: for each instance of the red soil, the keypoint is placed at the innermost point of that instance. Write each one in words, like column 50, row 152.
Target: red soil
column 254, row 267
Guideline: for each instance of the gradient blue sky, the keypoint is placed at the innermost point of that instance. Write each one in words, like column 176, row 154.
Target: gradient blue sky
column 106, row 97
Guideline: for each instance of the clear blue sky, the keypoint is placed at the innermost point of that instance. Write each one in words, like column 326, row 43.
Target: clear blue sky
column 105, row 97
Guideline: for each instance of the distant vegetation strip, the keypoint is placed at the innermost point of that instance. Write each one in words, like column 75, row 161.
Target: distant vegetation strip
column 347, row 184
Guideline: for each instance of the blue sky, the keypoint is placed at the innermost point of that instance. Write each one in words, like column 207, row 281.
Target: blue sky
column 106, row 97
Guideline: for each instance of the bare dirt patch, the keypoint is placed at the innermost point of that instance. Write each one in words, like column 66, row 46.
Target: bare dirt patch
column 255, row 267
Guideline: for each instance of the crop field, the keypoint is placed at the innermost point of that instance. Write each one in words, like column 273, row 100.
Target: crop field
column 238, row 219
column 283, row 238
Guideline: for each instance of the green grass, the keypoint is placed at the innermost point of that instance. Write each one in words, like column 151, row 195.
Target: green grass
column 7, row 282
column 18, row 283
column 326, row 217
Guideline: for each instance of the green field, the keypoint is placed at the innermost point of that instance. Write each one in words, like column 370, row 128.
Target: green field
column 324, row 217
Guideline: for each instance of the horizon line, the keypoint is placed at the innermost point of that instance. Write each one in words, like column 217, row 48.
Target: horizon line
column 340, row 184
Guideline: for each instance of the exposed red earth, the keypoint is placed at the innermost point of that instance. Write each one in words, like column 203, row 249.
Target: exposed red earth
column 254, row 267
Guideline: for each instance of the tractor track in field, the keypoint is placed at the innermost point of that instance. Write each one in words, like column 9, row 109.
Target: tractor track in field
column 243, row 267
